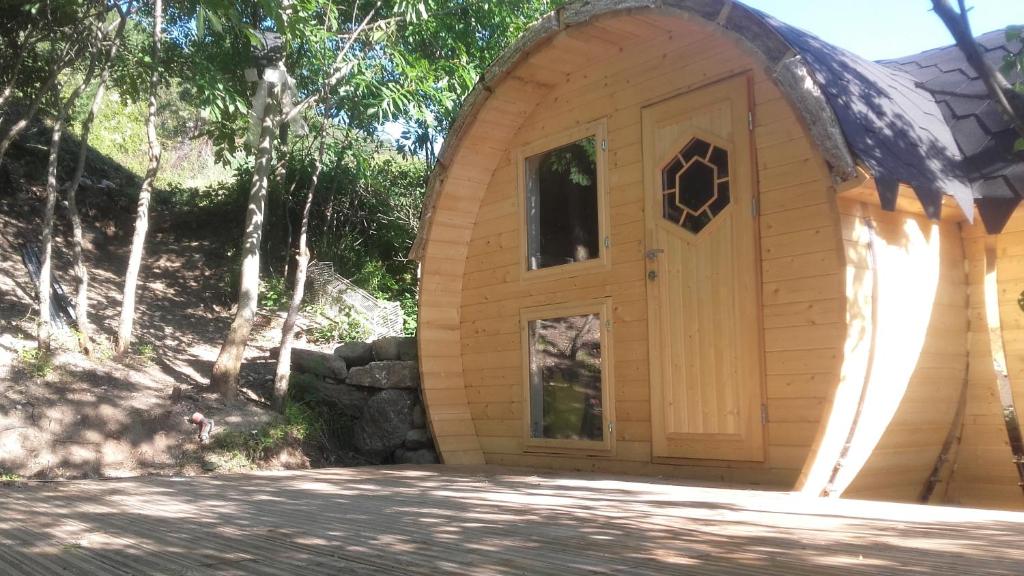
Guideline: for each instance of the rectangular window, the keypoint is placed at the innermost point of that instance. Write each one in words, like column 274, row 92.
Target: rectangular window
column 566, row 377
column 563, row 199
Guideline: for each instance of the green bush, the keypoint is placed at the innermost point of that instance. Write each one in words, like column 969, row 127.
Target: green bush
column 37, row 363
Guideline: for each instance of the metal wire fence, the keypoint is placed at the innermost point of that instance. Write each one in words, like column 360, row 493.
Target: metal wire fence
column 339, row 297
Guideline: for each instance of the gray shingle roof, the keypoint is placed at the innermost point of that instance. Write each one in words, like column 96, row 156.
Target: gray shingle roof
column 891, row 123
column 984, row 137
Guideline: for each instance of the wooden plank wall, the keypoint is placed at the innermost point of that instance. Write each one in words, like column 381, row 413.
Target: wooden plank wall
column 984, row 475
column 909, row 443
column 645, row 59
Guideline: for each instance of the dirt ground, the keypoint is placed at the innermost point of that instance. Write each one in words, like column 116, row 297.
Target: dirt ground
column 98, row 417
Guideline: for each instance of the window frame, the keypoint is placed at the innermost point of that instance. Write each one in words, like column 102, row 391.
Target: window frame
column 605, row 447
column 597, row 129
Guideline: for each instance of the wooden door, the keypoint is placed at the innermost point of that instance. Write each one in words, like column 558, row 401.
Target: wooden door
column 703, row 277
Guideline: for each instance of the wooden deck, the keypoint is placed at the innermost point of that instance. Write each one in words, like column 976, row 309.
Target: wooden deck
column 433, row 520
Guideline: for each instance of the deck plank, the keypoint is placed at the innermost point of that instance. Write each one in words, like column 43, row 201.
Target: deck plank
column 481, row 520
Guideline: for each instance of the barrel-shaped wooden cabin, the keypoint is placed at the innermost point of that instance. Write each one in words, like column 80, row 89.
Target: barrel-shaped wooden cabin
column 681, row 238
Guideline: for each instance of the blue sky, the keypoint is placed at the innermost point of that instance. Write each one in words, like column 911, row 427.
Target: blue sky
column 878, row 29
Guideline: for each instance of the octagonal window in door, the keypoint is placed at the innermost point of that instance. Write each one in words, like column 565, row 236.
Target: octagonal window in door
column 695, row 185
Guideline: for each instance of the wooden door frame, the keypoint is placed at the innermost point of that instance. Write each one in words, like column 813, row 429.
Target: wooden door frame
column 651, row 209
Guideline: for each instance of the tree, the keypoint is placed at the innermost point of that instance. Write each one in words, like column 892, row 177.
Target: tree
column 81, row 270
column 282, row 373
column 1008, row 97
column 43, row 334
column 127, row 321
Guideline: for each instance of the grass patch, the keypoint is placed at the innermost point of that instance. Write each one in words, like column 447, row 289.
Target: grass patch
column 235, row 450
column 37, row 363
column 7, row 478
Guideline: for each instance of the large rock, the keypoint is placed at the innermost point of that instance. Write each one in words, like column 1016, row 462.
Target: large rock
column 355, row 353
column 348, row 401
column 395, row 348
column 319, row 363
column 386, row 375
column 385, row 422
column 424, row 456
column 419, row 416
column 417, row 439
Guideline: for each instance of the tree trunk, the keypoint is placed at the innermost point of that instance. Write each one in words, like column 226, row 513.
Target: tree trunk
column 999, row 88
column 43, row 329
column 18, row 127
column 124, row 332
column 81, row 271
column 284, row 357
column 15, row 68
column 224, row 378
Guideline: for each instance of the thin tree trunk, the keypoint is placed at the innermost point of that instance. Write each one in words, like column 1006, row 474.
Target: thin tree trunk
column 43, row 330
column 284, row 357
column 999, row 88
column 81, row 271
column 224, row 378
column 15, row 69
column 124, row 332
column 18, row 127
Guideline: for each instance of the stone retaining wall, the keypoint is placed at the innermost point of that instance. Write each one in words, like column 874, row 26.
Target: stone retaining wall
column 374, row 389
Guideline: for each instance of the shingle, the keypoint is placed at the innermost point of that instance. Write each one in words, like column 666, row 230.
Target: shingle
column 992, row 117
column 965, row 106
column 970, row 135
column 949, row 82
column 992, row 40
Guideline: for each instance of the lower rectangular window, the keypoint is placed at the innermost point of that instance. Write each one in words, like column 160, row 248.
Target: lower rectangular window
column 566, row 378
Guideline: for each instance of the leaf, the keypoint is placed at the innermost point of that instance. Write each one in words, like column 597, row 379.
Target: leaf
column 1018, row 146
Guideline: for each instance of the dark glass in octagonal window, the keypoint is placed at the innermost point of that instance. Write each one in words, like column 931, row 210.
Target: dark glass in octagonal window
column 696, row 185
column 720, row 159
column 671, row 210
column 696, row 147
column 668, row 175
column 696, row 222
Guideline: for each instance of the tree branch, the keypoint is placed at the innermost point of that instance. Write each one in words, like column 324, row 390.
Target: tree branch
column 1001, row 91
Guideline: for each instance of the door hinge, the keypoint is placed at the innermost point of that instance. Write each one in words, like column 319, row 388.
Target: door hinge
column 604, row 145
column 755, row 207
column 764, row 414
column 607, row 242
column 750, row 121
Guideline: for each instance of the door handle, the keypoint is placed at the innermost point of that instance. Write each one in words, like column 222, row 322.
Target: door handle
column 652, row 254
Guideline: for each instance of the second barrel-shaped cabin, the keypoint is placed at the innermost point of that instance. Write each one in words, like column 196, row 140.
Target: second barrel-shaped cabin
column 682, row 238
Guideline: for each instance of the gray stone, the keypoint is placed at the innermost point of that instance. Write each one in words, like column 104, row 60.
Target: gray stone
column 319, row 363
column 424, row 456
column 355, row 353
column 385, row 422
column 418, row 439
column 386, row 375
column 348, row 401
column 419, row 416
column 395, row 348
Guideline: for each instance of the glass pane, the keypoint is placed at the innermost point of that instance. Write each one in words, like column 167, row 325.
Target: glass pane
column 561, row 200
column 698, row 190
column 565, row 378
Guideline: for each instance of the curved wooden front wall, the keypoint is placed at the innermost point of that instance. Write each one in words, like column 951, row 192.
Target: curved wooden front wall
column 472, row 292
column 984, row 474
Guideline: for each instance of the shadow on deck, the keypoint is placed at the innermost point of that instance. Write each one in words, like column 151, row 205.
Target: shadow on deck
column 430, row 520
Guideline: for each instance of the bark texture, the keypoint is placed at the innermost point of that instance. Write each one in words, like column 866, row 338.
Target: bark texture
column 46, row 266
column 224, row 378
column 283, row 372
column 81, row 270
column 127, row 323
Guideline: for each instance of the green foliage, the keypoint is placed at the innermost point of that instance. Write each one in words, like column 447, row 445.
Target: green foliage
column 37, row 363
column 1012, row 67
column 8, row 477
column 273, row 292
column 145, row 351
column 236, row 449
column 349, row 326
